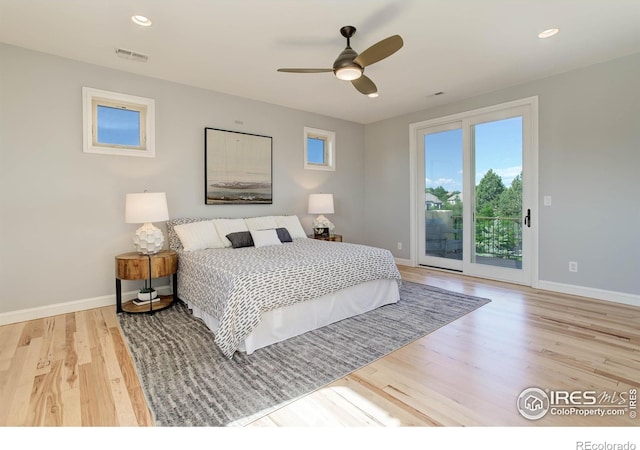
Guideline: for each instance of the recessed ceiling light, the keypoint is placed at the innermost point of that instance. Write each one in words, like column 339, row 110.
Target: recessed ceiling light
column 141, row 20
column 548, row 33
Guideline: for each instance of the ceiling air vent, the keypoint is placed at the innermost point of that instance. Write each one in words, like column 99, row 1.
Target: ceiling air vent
column 128, row 54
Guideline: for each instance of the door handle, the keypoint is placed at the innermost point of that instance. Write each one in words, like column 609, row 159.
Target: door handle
column 527, row 218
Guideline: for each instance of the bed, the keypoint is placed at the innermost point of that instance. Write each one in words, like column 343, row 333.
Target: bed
column 258, row 281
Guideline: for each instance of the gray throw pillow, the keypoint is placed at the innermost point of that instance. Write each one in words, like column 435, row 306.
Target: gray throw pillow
column 240, row 239
column 283, row 235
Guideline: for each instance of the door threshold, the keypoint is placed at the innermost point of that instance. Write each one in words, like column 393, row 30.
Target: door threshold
column 443, row 269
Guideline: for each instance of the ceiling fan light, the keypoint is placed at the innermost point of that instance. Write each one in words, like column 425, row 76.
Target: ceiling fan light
column 141, row 20
column 349, row 73
column 372, row 95
column 548, row 33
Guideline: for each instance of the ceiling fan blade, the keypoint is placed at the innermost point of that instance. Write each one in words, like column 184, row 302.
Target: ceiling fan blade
column 379, row 51
column 365, row 85
column 305, row 70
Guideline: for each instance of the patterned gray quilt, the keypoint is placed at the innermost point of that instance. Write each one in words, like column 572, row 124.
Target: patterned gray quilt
column 237, row 285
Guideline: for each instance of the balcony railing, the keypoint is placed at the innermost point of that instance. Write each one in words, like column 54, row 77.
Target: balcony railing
column 496, row 237
column 499, row 237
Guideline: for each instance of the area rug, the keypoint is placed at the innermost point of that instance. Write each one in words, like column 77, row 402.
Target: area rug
column 189, row 382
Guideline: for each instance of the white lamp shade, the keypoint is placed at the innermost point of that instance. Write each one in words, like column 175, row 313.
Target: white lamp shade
column 320, row 204
column 146, row 207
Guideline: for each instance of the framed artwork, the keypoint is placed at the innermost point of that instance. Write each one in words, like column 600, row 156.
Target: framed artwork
column 238, row 168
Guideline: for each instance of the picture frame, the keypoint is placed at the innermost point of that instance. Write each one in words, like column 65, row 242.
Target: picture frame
column 238, row 168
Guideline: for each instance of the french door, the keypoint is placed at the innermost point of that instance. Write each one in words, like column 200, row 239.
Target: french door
column 475, row 183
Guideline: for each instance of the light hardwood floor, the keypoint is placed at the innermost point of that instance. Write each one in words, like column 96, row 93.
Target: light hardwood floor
column 75, row 369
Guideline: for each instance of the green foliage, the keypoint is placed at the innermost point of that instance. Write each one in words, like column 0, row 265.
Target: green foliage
column 488, row 192
column 510, row 201
column 497, row 233
column 498, row 237
column 455, row 207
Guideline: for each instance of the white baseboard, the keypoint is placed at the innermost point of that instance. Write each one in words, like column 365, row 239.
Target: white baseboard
column 404, row 262
column 599, row 294
column 67, row 307
column 581, row 291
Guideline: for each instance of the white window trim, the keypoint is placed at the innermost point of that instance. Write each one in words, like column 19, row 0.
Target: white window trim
column 330, row 150
column 91, row 97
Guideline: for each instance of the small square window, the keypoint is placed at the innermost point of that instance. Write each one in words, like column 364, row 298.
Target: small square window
column 319, row 149
column 118, row 124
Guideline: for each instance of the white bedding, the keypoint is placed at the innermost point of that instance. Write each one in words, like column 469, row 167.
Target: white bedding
column 283, row 323
column 240, row 287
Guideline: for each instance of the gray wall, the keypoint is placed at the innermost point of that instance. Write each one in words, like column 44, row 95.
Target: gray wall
column 589, row 162
column 62, row 210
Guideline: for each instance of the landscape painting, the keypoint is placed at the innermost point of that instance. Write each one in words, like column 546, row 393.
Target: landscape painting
column 238, row 168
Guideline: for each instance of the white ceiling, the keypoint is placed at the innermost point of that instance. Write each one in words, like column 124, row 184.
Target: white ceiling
column 460, row 47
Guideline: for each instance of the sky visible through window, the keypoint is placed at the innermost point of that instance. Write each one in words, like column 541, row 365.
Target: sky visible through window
column 315, row 151
column 498, row 146
column 118, row 126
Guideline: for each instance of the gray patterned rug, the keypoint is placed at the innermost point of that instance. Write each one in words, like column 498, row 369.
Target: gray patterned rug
column 189, row 382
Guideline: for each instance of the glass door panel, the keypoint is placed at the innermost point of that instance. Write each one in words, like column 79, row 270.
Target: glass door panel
column 497, row 228
column 441, row 219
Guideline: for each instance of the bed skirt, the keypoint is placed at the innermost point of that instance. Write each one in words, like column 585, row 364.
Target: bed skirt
column 289, row 321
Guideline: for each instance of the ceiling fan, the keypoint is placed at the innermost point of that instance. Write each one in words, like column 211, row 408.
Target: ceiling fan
column 350, row 65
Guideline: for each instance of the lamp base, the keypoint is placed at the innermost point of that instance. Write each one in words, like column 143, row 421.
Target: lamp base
column 148, row 239
column 322, row 226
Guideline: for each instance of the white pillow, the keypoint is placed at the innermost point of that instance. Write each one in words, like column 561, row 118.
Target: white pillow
column 261, row 223
column 198, row 235
column 292, row 224
column 226, row 226
column 264, row 238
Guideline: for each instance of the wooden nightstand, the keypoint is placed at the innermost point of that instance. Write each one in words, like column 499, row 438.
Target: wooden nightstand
column 333, row 237
column 134, row 266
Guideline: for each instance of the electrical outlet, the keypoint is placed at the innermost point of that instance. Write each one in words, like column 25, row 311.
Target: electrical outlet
column 573, row 266
column 399, row 245
column 547, row 200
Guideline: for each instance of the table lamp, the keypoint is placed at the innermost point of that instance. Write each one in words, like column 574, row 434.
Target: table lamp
column 145, row 208
column 321, row 204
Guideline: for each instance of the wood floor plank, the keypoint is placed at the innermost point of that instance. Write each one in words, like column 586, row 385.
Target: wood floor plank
column 9, row 337
column 18, row 413
column 124, row 409
column 45, row 405
column 130, row 378
column 82, row 347
column 12, row 378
